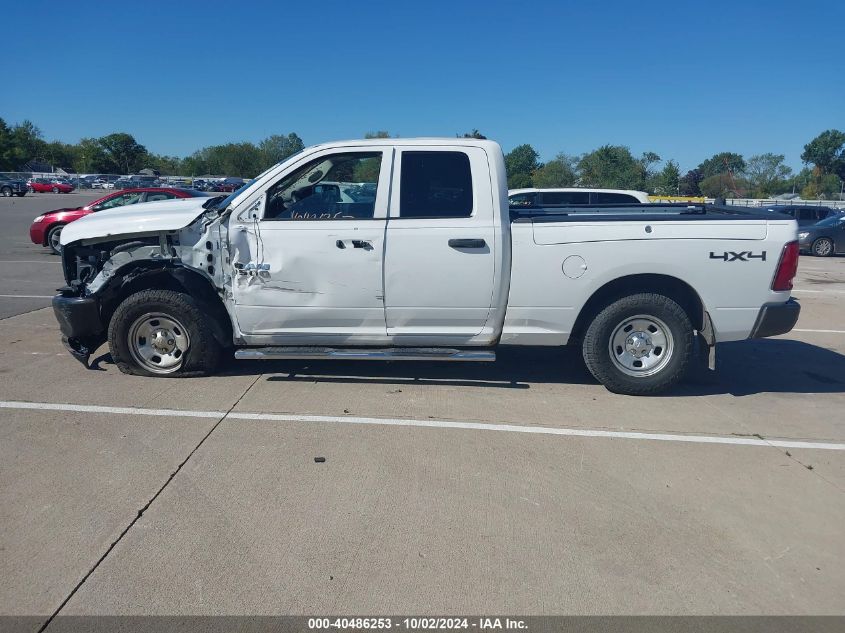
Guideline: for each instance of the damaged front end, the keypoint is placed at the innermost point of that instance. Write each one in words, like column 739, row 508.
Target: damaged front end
column 101, row 272
column 80, row 324
column 79, row 306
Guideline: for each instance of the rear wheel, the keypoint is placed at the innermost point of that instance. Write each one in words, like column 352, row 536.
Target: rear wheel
column 162, row 333
column 639, row 345
column 6, row 191
column 823, row 247
column 54, row 238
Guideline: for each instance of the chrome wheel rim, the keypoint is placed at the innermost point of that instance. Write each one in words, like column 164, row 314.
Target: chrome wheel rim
column 158, row 342
column 55, row 239
column 823, row 247
column 641, row 345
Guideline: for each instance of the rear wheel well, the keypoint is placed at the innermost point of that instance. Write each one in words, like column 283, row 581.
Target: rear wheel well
column 679, row 291
column 167, row 277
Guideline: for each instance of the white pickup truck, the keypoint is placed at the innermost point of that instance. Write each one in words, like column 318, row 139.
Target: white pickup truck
column 406, row 249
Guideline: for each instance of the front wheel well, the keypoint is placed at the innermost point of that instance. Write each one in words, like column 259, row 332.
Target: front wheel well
column 154, row 276
column 679, row 291
column 55, row 225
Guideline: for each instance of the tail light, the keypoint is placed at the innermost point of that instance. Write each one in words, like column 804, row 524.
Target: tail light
column 787, row 268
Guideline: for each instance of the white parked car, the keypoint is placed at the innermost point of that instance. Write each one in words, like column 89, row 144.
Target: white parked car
column 418, row 259
column 567, row 196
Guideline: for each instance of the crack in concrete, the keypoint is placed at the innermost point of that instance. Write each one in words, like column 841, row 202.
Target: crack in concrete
column 146, row 506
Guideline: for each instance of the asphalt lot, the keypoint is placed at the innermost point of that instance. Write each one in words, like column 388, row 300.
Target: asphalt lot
column 515, row 487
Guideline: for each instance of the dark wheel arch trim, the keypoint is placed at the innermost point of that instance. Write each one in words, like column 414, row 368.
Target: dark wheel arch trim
column 139, row 276
column 667, row 285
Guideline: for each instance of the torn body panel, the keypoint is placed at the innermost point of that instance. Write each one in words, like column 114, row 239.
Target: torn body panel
column 101, row 272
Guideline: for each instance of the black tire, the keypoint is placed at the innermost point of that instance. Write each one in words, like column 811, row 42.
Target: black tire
column 822, row 247
column 52, row 238
column 610, row 323
column 55, row 190
column 6, row 191
column 203, row 354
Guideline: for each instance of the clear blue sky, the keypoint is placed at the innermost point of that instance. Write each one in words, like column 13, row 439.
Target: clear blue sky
column 684, row 79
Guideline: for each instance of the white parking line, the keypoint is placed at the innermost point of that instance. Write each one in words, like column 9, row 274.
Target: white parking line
column 441, row 424
column 27, row 296
column 826, row 292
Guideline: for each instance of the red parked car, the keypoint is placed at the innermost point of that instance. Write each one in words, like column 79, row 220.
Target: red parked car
column 44, row 185
column 47, row 228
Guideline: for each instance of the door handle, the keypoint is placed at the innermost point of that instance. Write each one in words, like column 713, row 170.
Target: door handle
column 367, row 245
column 467, row 243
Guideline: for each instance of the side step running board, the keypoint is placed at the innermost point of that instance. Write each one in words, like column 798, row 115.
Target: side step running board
column 365, row 353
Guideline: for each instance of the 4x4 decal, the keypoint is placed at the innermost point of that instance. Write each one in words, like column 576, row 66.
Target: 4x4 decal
column 743, row 256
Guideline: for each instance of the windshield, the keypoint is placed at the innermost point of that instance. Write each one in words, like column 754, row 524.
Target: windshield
column 833, row 220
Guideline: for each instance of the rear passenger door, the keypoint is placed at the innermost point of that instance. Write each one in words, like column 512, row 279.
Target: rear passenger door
column 440, row 245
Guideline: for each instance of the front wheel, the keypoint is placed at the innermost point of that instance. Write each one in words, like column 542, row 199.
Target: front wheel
column 7, row 192
column 822, row 247
column 162, row 333
column 55, row 190
column 639, row 345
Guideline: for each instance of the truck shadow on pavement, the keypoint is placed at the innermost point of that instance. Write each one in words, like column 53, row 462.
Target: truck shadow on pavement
column 743, row 368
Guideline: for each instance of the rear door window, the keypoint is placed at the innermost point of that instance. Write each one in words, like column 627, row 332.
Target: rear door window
column 435, row 185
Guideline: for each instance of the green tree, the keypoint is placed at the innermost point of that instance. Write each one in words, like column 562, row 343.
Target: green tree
column 767, row 174
column 613, row 167
column 123, row 152
column 90, row 157
column 6, row 147
column 721, row 163
column 689, row 183
column 377, row 134
column 826, row 187
column 274, row 149
column 558, row 172
column 474, row 134
column 724, row 186
column 827, row 153
column 27, row 143
column 521, row 163
column 667, row 181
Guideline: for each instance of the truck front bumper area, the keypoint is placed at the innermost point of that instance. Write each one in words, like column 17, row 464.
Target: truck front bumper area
column 80, row 324
column 776, row 318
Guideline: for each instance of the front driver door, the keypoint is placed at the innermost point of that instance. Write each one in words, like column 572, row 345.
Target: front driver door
column 308, row 254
